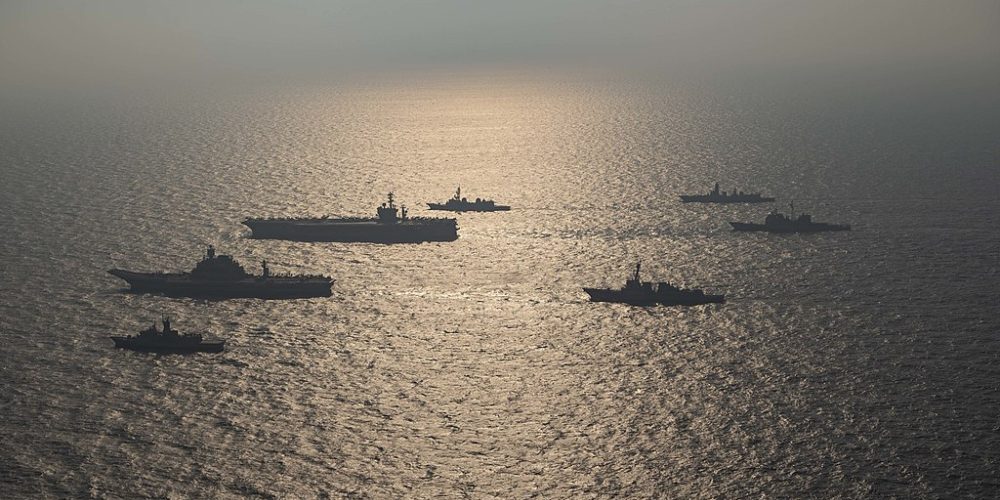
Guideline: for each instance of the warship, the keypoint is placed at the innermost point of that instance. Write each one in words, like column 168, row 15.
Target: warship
column 716, row 196
column 390, row 225
column 644, row 293
column 220, row 276
column 169, row 341
column 776, row 222
column 459, row 204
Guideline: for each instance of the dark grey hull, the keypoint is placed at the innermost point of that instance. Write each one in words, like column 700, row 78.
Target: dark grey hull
column 647, row 299
column 700, row 198
column 180, row 285
column 354, row 232
column 132, row 343
column 469, row 208
column 817, row 227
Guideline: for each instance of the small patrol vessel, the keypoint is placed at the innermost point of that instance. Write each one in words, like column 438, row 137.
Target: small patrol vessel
column 390, row 225
column 221, row 277
column 644, row 293
column 716, row 196
column 169, row 341
column 776, row 222
column 459, row 204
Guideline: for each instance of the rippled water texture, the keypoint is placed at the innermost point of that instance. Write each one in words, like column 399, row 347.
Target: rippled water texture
column 843, row 364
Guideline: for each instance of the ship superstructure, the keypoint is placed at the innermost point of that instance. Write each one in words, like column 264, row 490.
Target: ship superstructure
column 717, row 196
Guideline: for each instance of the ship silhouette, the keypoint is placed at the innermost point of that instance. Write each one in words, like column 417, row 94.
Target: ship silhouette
column 390, row 225
column 776, row 222
column 459, row 204
column 716, row 196
column 220, row 276
column 644, row 293
column 169, row 341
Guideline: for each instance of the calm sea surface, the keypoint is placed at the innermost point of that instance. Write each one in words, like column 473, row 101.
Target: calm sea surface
column 856, row 364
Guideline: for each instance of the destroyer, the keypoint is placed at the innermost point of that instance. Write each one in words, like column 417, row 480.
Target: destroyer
column 168, row 341
column 715, row 196
column 220, row 276
column 780, row 223
column 390, row 225
column 644, row 293
column 459, row 204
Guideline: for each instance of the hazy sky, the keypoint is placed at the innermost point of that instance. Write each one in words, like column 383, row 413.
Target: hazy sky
column 98, row 42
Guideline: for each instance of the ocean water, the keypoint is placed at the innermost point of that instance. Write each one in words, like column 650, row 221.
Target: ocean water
column 858, row 364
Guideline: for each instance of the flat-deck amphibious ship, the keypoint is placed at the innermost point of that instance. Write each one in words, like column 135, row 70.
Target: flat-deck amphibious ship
column 221, row 277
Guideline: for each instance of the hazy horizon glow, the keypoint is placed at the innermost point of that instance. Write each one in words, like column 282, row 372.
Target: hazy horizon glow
column 122, row 43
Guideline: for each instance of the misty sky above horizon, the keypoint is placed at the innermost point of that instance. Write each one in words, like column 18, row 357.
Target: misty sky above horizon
column 64, row 42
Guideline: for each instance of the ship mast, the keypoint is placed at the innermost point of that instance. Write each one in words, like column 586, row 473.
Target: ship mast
column 387, row 213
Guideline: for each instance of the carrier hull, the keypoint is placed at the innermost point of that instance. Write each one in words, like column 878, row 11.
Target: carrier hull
column 182, row 285
column 362, row 231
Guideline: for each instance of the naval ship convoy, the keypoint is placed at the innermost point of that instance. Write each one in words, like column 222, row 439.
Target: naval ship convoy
column 220, row 276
